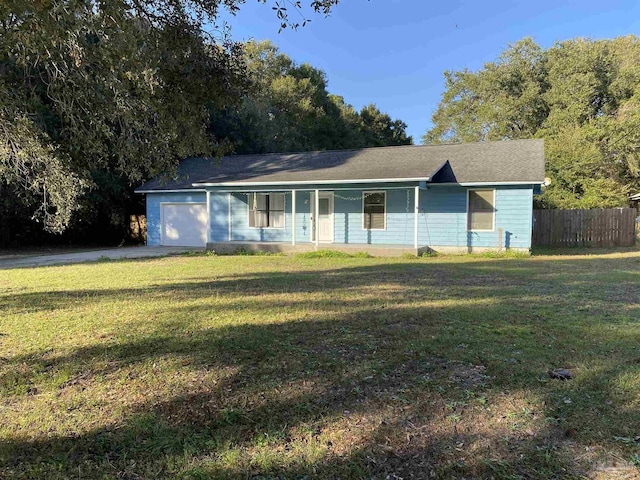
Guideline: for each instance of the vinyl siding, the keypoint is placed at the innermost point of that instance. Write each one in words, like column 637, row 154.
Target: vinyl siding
column 240, row 230
column 219, row 212
column 443, row 218
column 154, row 220
column 303, row 217
column 348, row 221
column 515, row 216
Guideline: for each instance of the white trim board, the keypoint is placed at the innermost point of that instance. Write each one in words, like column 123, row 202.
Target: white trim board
column 311, row 182
column 293, row 217
column 480, row 184
column 208, row 198
column 185, row 190
column 229, row 217
column 241, row 186
column 266, row 189
column 416, row 211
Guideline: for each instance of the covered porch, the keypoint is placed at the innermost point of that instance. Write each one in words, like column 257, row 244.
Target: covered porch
column 373, row 218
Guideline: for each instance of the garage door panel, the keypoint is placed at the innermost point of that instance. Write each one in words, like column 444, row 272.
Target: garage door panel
column 184, row 225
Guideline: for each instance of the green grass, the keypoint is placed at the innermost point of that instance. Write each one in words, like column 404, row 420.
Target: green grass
column 332, row 254
column 241, row 367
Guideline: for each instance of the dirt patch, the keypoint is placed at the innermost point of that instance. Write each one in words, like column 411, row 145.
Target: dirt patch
column 468, row 375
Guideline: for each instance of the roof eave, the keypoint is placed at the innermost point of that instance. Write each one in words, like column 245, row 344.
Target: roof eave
column 310, row 182
column 170, row 190
column 200, row 187
column 480, row 184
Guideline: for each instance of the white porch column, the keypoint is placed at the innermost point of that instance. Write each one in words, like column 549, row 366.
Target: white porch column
column 208, row 217
column 415, row 217
column 229, row 216
column 293, row 217
column 316, row 215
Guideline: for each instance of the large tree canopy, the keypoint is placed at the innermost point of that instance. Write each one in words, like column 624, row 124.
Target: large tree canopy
column 97, row 96
column 288, row 108
column 88, row 86
column 581, row 96
column 120, row 89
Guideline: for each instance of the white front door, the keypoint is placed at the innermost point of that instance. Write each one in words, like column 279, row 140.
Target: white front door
column 325, row 218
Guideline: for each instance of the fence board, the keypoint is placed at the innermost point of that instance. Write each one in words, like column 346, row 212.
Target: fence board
column 605, row 227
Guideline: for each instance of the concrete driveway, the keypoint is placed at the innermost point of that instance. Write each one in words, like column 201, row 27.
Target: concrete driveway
column 91, row 256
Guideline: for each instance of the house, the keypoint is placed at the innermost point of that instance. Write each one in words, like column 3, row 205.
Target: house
column 388, row 200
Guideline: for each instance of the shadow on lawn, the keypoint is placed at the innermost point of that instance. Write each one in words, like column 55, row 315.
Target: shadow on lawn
column 282, row 380
column 385, row 372
column 576, row 251
column 484, row 279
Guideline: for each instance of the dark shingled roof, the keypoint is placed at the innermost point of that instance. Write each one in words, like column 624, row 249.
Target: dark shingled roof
column 496, row 162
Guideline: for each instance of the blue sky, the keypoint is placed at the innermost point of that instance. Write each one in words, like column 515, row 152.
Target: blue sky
column 393, row 52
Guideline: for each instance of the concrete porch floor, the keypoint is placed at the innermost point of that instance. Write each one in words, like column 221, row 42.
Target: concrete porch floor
column 282, row 247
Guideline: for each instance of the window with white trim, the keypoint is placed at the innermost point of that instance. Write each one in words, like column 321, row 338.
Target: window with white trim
column 481, row 210
column 266, row 210
column 374, row 210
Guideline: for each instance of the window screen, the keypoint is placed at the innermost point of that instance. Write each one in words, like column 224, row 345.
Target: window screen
column 374, row 210
column 266, row 210
column 480, row 210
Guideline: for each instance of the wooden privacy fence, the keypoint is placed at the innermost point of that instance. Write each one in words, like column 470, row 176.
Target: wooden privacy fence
column 604, row 227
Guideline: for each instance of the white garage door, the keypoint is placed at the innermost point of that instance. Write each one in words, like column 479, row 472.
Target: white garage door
column 184, row 224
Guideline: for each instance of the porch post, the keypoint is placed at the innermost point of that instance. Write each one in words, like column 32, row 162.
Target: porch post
column 229, row 216
column 208, row 218
column 315, row 217
column 415, row 217
column 293, row 217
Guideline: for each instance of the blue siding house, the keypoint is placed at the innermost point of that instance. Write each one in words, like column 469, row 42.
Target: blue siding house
column 389, row 200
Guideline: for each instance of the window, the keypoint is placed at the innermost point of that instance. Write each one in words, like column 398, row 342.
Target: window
column 481, row 210
column 374, row 210
column 266, row 210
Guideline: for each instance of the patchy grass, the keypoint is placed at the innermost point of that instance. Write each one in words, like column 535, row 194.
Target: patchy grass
column 256, row 253
column 297, row 367
column 332, row 254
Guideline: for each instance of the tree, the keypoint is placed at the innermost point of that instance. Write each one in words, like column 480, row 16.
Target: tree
column 92, row 90
column 379, row 130
column 288, row 108
column 581, row 96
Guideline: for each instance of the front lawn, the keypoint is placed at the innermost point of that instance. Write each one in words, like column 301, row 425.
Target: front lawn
column 291, row 367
